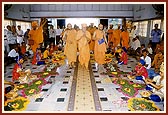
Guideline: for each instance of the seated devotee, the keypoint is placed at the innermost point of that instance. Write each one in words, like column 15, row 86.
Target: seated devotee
column 156, row 86
column 37, row 58
column 60, row 46
column 135, row 46
column 123, row 57
column 139, row 50
column 136, row 43
column 158, row 59
column 18, row 74
column 53, row 48
column 46, row 53
column 146, row 58
column 8, row 88
column 117, row 52
column 149, row 49
column 140, row 72
column 157, row 49
column 151, row 72
column 111, row 49
column 24, row 52
column 13, row 55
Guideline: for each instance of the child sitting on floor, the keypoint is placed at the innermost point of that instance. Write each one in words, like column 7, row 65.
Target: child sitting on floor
column 111, row 49
column 18, row 74
column 37, row 58
column 156, row 85
column 123, row 57
column 53, row 48
column 140, row 71
column 46, row 53
column 117, row 52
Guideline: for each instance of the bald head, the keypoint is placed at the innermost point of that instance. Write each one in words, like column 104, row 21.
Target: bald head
column 84, row 27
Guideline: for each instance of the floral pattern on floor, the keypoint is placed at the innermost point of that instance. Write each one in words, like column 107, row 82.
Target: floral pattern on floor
column 141, row 104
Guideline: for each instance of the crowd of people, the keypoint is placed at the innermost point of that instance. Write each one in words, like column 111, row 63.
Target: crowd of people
column 88, row 40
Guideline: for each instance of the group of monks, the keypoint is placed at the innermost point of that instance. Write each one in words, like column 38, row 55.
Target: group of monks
column 84, row 41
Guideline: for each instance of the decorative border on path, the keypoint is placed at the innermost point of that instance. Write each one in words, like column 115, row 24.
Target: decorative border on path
column 94, row 90
column 73, row 90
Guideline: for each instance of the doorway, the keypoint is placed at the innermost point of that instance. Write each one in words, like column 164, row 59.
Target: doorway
column 61, row 23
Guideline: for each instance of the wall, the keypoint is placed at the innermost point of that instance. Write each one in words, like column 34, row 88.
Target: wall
column 143, row 11
column 19, row 11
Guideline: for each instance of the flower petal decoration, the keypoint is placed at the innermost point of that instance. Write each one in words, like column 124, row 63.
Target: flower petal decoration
column 22, row 86
column 31, row 90
column 17, row 104
column 141, row 104
column 138, row 86
column 38, row 82
column 128, row 90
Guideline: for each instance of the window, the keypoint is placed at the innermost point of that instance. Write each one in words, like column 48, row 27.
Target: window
column 141, row 28
column 115, row 22
column 156, row 22
column 7, row 22
column 24, row 25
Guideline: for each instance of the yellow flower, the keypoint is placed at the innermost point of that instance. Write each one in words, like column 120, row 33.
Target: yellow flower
column 21, row 86
column 45, row 73
column 15, row 105
column 115, row 73
column 143, row 106
column 31, row 91
column 136, row 85
column 127, row 89
column 38, row 82
column 122, row 82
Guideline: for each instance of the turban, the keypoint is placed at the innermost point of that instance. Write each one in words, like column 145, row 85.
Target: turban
column 19, row 58
column 125, row 50
column 142, row 61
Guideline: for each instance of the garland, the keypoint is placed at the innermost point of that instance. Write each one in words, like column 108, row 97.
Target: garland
column 38, row 82
column 127, row 88
column 31, row 90
column 141, row 104
column 22, row 86
column 17, row 104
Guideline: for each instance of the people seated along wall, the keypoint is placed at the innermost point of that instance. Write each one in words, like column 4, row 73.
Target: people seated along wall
column 156, row 86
